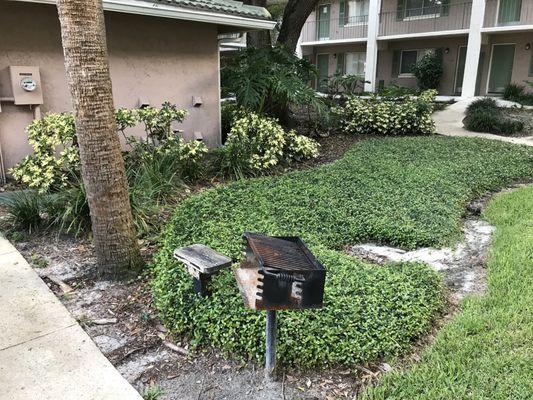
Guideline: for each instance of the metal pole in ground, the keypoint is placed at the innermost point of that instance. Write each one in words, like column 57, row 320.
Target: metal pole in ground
column 271, row 332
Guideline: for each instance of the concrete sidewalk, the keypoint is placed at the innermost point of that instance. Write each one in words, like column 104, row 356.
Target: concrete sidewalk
column 449, row 122
column 44, row 353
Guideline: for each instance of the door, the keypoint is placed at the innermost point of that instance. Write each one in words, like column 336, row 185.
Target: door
column 509, row 12
column 323, row 22
column 501, row 67
column 322, row 64
column 460, row 72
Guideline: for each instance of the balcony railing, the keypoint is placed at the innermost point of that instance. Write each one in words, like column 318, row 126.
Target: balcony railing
column 508, row 13
column 335, row 29
column 434, row 18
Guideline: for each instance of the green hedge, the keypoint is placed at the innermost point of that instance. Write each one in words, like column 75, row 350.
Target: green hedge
column 406, row 191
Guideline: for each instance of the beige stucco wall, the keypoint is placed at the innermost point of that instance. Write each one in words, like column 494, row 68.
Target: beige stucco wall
column 386, row 53
column 153, row 58
column 522, row 57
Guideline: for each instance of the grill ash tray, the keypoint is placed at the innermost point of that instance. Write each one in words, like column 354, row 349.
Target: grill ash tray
column 279, row 273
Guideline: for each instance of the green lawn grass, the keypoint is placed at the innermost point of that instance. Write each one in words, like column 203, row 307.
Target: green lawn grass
column 485, row 352
column 408, row 192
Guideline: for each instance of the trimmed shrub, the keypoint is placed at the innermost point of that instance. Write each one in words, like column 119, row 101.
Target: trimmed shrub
column 407, row 192
column 483, row 104
column 428, row 71
column 483, row 115
column 404, row 116
column 257, row 144
column 55, row 157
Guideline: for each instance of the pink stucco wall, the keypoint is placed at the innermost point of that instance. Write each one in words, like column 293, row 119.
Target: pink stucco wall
column 153, row 58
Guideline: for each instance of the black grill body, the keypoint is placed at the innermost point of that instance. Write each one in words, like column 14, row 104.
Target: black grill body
column 280, row 273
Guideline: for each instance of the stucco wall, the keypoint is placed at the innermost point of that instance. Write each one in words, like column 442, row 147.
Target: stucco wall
column 153, row 58
column 522, row 57
column 386, row 54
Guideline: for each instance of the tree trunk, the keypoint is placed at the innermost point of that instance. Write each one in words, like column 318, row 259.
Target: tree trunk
column 102, row 165
column 260, row 38
column 294, row 17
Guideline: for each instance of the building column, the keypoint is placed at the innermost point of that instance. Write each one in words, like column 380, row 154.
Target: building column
column 474, row 49
column 372, row 45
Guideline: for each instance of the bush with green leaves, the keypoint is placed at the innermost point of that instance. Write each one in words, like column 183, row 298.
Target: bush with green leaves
column 484, row 115
column 395, row 90
column 428, row 71
column 55, row 157
column 518, row 94
column 257, row 144
column 347, row 85
column 407, row 192
column 55, row 161
column 404, row 116
column 155, row 168
column 269, row 80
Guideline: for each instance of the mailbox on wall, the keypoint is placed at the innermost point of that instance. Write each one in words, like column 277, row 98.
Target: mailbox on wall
column 26, row 85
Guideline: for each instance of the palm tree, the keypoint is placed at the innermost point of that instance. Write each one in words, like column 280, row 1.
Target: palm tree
column 85, row 49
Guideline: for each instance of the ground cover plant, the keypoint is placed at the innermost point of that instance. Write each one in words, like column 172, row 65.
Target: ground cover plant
column 408, row 192
column 485, row 352
column 484, row 115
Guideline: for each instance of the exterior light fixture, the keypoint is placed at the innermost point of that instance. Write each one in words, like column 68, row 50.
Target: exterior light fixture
column 528, row 46
column 447, row 50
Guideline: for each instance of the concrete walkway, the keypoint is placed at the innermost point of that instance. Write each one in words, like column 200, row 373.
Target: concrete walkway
column 44, row 353
column 449, row 122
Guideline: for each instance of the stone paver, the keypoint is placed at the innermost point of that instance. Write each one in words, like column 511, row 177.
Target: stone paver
column 449, row 122
column 44, row 353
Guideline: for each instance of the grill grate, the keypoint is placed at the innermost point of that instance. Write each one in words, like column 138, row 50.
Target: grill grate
column 281, row 253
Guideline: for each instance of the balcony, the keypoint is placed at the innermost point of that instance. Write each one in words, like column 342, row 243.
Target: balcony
column 431, row 19
column 344, row 29
column 508, row 14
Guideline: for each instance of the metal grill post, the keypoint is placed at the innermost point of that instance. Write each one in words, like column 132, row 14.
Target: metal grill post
column 271, row 332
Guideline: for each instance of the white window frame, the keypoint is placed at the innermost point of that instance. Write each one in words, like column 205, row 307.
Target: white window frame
column 496, row 23
column 317, row 83
column 346, row 62
column 360, row 23
column 490, row 64
column 418, row 17
column 419, row 54
column 457, row 68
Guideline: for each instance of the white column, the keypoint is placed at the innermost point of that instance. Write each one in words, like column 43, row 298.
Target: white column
column 474, row 48
column 372, row 45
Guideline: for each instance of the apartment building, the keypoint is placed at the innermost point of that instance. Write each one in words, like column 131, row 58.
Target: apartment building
column 485, row 44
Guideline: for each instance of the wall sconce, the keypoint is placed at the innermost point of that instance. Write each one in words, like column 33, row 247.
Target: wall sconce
column 447, row 50
column 528, row 46
column 334, row 55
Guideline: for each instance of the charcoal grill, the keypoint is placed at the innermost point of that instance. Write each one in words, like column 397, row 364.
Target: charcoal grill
column 279, row 273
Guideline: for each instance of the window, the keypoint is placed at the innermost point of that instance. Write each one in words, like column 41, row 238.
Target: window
column 418, row 9
column 356, row 11
column 355, row 64
column 409, row 58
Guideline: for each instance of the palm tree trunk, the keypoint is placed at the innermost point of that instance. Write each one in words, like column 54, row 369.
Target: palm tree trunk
column 86, row 63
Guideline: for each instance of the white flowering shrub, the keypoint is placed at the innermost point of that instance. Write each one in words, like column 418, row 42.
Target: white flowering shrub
column 55, row 156
column 256, row 144
column 406, row 116
column 55, row 159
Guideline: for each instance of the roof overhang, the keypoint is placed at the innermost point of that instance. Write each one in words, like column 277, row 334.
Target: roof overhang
column 175, row 12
